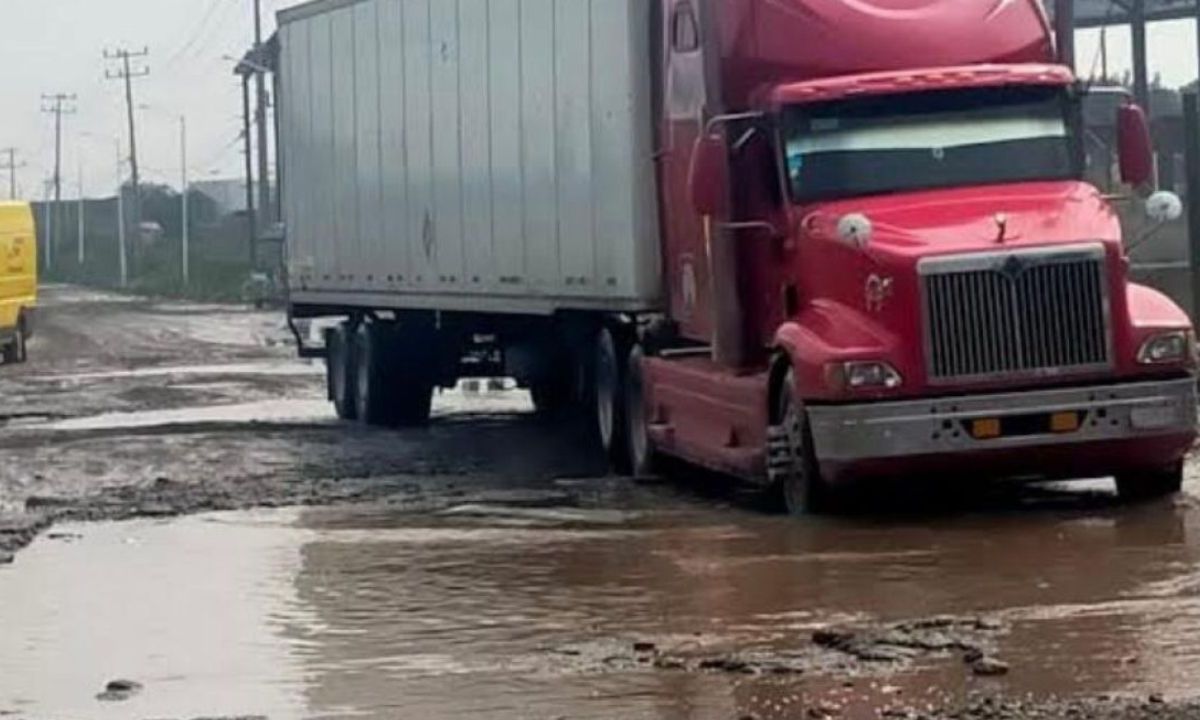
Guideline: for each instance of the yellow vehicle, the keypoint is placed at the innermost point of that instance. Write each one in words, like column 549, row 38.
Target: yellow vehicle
column 18, row 279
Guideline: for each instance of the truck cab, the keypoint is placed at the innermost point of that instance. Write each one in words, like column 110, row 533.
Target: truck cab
column 900, row 267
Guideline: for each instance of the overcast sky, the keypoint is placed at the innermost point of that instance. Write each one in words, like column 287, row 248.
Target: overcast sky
column 56, row 46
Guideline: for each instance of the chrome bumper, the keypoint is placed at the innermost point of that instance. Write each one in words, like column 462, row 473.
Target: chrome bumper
column 846, row 433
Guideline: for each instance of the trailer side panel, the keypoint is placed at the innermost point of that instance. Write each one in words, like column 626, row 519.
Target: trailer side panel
column 484, row 155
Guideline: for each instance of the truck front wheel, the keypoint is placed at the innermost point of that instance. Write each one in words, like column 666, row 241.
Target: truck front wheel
column 1151, row 484
column 340, row 370
column 800, row 488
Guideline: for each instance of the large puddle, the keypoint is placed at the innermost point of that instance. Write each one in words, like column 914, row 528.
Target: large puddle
column 511, row 607
column 467, row 397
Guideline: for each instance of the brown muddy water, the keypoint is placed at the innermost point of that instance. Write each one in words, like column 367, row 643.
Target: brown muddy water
column 475, row 584
column 529, row 605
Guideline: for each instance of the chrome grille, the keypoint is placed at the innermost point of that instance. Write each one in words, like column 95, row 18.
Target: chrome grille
column 1032, row 313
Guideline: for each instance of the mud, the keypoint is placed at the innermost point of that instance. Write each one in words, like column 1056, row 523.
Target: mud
column 196, row 523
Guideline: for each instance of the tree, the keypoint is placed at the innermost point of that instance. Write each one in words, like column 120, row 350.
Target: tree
column 161, row 204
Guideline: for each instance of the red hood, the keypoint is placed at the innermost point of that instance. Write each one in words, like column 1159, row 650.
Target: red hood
column 967, row 219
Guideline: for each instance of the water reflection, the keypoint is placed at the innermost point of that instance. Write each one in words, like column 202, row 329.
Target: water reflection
column 527, row 605
column 449, row 619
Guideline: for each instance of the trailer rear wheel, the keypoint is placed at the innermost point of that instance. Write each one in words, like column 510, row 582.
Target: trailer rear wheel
column 1151, row 484
column 339, row 360
column 412, row 362
column 611, row 418
column 372, row 385
column 800, row 489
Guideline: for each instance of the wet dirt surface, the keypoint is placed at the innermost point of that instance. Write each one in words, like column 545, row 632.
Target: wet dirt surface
column 214, row 544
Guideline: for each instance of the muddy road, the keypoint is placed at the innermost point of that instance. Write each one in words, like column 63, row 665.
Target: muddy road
column 181, row 516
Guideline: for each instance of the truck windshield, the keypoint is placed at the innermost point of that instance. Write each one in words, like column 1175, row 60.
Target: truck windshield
column 915, row 141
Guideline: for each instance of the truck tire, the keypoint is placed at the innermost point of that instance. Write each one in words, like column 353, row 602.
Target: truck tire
column 643, row 459
column 412, row 357
column 1151, row 484
column 551, row 396
column 16, row 352
column 800, row 491
column 339, row 359
column 610, row 363
column 372, row 386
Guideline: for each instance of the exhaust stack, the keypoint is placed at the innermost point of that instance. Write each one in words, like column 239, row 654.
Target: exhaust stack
column 728, row 341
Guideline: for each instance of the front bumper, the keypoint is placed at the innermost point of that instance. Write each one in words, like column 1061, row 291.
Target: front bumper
column 1133, row 424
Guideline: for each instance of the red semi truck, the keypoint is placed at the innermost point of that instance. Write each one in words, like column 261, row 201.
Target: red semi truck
column 803, row 242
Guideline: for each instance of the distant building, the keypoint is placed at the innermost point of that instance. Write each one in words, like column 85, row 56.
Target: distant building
column 229, row 194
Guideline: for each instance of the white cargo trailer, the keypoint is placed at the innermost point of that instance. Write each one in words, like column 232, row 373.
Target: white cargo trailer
column 472, row 155
column 472, row 185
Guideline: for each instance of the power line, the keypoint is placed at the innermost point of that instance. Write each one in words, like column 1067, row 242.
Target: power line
column 197, row 32
column 213, row 158
column 126, row 72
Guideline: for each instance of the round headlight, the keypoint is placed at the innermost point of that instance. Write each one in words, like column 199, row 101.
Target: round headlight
column 1166, row 348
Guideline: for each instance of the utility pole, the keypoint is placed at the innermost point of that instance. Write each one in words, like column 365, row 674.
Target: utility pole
column 11, row 166
column 126, row 72
column 123, row 261
column 185, row 240
column 251, row 215
column 81, row 254
column 260, row 118
column 48, row 222
column 57, row 105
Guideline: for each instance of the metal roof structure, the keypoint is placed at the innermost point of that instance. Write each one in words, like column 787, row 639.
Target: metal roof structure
column 1094, row 13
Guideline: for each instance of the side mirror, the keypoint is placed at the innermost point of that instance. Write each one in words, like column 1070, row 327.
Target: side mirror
column 708, row 177
column 1134, row 147
column 1164, row 207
